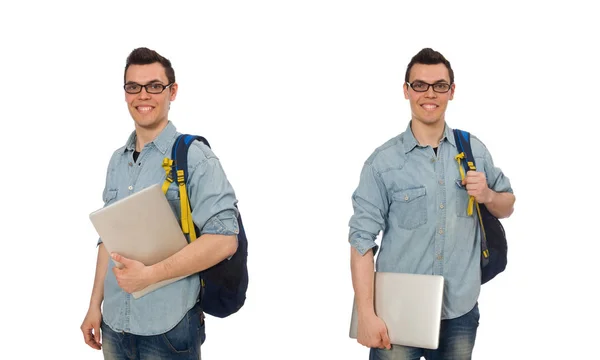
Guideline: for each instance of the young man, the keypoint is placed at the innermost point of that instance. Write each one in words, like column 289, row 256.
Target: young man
column 431, row 233
column 168, row 322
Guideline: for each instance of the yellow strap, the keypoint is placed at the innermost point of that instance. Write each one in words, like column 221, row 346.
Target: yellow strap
column 184, row 202
column 192, row 228
column 187, row 222
column 167, row 163
column 458, row 158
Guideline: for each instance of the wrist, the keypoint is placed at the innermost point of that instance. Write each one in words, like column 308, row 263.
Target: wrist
column 490, row 198
column 96, row 304
column 366, row 310
column 155, row 273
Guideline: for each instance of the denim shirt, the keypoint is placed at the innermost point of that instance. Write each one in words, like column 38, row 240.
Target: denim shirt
column 412, row 195
column 214, row 212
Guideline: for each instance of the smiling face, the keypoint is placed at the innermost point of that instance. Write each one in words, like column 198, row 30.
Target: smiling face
column 149, row 111
column 428, row 107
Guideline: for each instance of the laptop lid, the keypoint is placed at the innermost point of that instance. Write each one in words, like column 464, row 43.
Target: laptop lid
column 411, row 307
column 141, row 226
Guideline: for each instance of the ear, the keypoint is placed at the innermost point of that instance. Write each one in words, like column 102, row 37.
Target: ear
column 173, row 89
column 452, row 87
column 405, row 88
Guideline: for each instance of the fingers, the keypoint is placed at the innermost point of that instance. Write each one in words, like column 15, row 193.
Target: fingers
column 385, row 339
column 89, row 338
column 98, row 336
column 474, row 176
column 120, row 258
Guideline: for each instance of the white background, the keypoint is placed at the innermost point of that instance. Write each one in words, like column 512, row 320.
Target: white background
column 293, row 97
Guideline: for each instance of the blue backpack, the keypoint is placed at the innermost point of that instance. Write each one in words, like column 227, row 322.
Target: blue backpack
column 224, row 285
column 494, row 247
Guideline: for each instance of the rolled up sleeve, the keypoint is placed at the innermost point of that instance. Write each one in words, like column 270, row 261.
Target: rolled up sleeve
column 108, row 195
column 371, row 207
column 496, row 179
column 212, row 199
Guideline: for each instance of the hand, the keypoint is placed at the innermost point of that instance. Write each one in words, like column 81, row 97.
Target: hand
column 92, row 322
column 476, row 185
column 133, row 275
column 372, row 332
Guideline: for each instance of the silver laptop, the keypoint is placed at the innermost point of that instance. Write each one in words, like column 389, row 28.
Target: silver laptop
column 143, row 227
column 411, row 307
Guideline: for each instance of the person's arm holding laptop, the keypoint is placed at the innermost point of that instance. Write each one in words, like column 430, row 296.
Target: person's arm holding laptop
column 370, row 203
column 214, row 211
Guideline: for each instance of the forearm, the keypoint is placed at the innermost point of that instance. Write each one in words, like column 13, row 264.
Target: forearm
column 204, row 252
column 362, row 268
column 501, row 204
column 101, row 268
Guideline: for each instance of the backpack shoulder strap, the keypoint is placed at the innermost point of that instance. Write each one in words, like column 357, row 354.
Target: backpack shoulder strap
column 177, row 170
column 180, row 151
column 463, row 143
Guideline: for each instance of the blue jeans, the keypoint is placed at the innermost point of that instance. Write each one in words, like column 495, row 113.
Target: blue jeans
column 182, row 342
column 457, row 339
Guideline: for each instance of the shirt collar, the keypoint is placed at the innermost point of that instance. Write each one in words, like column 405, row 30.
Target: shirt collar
column 410, row 142
column 162, row 141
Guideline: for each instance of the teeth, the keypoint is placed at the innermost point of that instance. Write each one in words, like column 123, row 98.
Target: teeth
column 429, row 106
column 144, row 108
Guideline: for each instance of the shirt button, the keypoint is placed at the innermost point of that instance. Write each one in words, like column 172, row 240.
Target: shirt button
column 440, row 257
column 130, row 164
column 441, row 231
column 441, row 206
column 130, row 187
column 441, row 182
column 432, row 159
column 405, row 197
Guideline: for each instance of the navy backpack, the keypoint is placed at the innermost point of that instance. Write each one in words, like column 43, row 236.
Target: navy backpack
column 224, row 285
column 493, row 238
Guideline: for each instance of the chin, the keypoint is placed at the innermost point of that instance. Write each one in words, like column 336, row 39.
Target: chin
column 146, row 123
column 431, row 121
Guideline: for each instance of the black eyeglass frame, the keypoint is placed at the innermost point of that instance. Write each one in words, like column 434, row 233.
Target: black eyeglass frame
column 428, row 86
column 164, row 87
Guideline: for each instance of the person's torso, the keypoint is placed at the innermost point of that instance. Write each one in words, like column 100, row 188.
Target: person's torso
column 160, row 310
column 427, row 230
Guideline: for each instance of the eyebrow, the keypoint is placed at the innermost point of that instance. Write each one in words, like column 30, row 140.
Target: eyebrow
column 436, row 82
column 149, row 82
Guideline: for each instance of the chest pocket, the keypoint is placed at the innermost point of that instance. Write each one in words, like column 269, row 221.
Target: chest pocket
column 410, row 207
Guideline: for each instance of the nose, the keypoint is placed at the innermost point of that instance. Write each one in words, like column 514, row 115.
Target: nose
column 430, row 93
column 144, row 94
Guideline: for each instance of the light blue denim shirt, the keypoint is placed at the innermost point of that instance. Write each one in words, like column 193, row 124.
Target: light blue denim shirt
column 412, row 195
column 214, row 212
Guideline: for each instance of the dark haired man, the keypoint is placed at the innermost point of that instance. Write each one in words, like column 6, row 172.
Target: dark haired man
column 408, row 189
column 167, row 323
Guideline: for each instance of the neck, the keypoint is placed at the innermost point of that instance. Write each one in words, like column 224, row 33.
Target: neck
column 428, row 134
column 145, row 135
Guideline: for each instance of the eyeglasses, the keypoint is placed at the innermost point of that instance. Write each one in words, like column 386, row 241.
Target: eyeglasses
column 152, row 88
column 420, row 86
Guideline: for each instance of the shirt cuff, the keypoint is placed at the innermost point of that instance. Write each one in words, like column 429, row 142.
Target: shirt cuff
column 363, row 242
column 224, row 223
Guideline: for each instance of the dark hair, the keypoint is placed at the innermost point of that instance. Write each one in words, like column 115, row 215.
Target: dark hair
column 429, row 56
column 145, row 56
